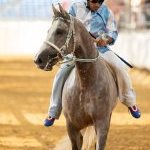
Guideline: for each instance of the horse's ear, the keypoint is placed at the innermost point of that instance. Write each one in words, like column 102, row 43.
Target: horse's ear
column 64, row 13
column 55, row 11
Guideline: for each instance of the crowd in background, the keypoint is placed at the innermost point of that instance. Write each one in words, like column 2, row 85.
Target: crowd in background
column 130, row 14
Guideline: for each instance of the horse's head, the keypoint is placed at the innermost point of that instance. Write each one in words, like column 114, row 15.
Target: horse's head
column 59, row 40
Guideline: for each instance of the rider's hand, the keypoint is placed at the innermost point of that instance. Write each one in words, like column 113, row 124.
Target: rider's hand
column 101, row 42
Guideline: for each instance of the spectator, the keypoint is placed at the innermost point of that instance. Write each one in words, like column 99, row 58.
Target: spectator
column 146, row 11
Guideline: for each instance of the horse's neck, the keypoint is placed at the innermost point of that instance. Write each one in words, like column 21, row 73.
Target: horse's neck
column 85, row 50
column 85, row 47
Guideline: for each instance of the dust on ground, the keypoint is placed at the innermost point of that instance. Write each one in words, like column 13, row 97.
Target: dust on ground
column 24, row 100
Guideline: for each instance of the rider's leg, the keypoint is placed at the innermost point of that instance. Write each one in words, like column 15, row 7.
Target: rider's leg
column 126, row 92
column 55, row 108
column 56, row 97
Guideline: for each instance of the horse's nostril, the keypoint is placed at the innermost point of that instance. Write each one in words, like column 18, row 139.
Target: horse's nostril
column 38, row 61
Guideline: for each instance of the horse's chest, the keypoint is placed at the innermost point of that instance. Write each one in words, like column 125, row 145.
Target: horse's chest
column 77, row 108
column 77, row 103
column 74, row 99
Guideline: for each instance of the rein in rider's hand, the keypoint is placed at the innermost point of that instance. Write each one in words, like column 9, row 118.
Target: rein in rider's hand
column 103, row 42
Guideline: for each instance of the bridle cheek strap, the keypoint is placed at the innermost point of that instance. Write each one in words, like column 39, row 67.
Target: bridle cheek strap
column 71, row 33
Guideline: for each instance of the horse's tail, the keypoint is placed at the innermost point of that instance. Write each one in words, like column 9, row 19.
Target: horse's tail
column 63, row 144
column 89, row 139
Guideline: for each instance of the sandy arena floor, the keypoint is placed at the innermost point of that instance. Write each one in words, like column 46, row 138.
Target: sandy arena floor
column 24, row 99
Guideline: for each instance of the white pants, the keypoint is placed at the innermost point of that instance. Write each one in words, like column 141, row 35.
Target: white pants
column 56, row 97
column 126, row 92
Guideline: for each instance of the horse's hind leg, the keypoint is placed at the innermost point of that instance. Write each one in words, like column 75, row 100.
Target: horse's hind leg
column 75, row 137
column 102, row 128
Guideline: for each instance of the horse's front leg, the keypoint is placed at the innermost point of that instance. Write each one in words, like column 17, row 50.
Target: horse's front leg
column 75, row 136
column 102, row 128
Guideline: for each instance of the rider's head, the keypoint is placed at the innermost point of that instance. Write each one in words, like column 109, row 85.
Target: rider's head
column 94, row 5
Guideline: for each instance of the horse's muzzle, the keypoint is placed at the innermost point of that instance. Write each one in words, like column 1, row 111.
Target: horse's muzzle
column 46, row 64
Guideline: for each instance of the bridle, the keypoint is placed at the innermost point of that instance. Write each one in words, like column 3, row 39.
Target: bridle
column 61, row 51
column 71, row 33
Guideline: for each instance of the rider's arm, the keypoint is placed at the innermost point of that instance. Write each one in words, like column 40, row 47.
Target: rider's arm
column 109, row 36
column 111, row 28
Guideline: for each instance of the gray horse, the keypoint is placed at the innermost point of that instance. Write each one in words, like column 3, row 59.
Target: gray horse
column 90, row 92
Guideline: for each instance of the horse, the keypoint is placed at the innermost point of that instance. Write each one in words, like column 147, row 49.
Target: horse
column 90, row 91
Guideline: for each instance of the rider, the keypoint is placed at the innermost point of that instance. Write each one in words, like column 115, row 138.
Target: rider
column 99, row 21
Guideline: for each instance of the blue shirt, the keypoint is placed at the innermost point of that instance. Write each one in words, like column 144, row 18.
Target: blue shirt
column 98, row 22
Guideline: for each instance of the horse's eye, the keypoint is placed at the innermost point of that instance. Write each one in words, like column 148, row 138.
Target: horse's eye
column 59, row 31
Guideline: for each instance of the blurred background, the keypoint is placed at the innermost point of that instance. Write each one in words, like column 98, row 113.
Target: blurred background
column 24, row 23
column 25, row 90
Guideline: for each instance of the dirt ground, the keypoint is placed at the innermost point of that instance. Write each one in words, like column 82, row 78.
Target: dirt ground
column 24, row 100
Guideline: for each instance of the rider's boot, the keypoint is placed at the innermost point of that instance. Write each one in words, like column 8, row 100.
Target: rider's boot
column 49, row 121
column 135, row 112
